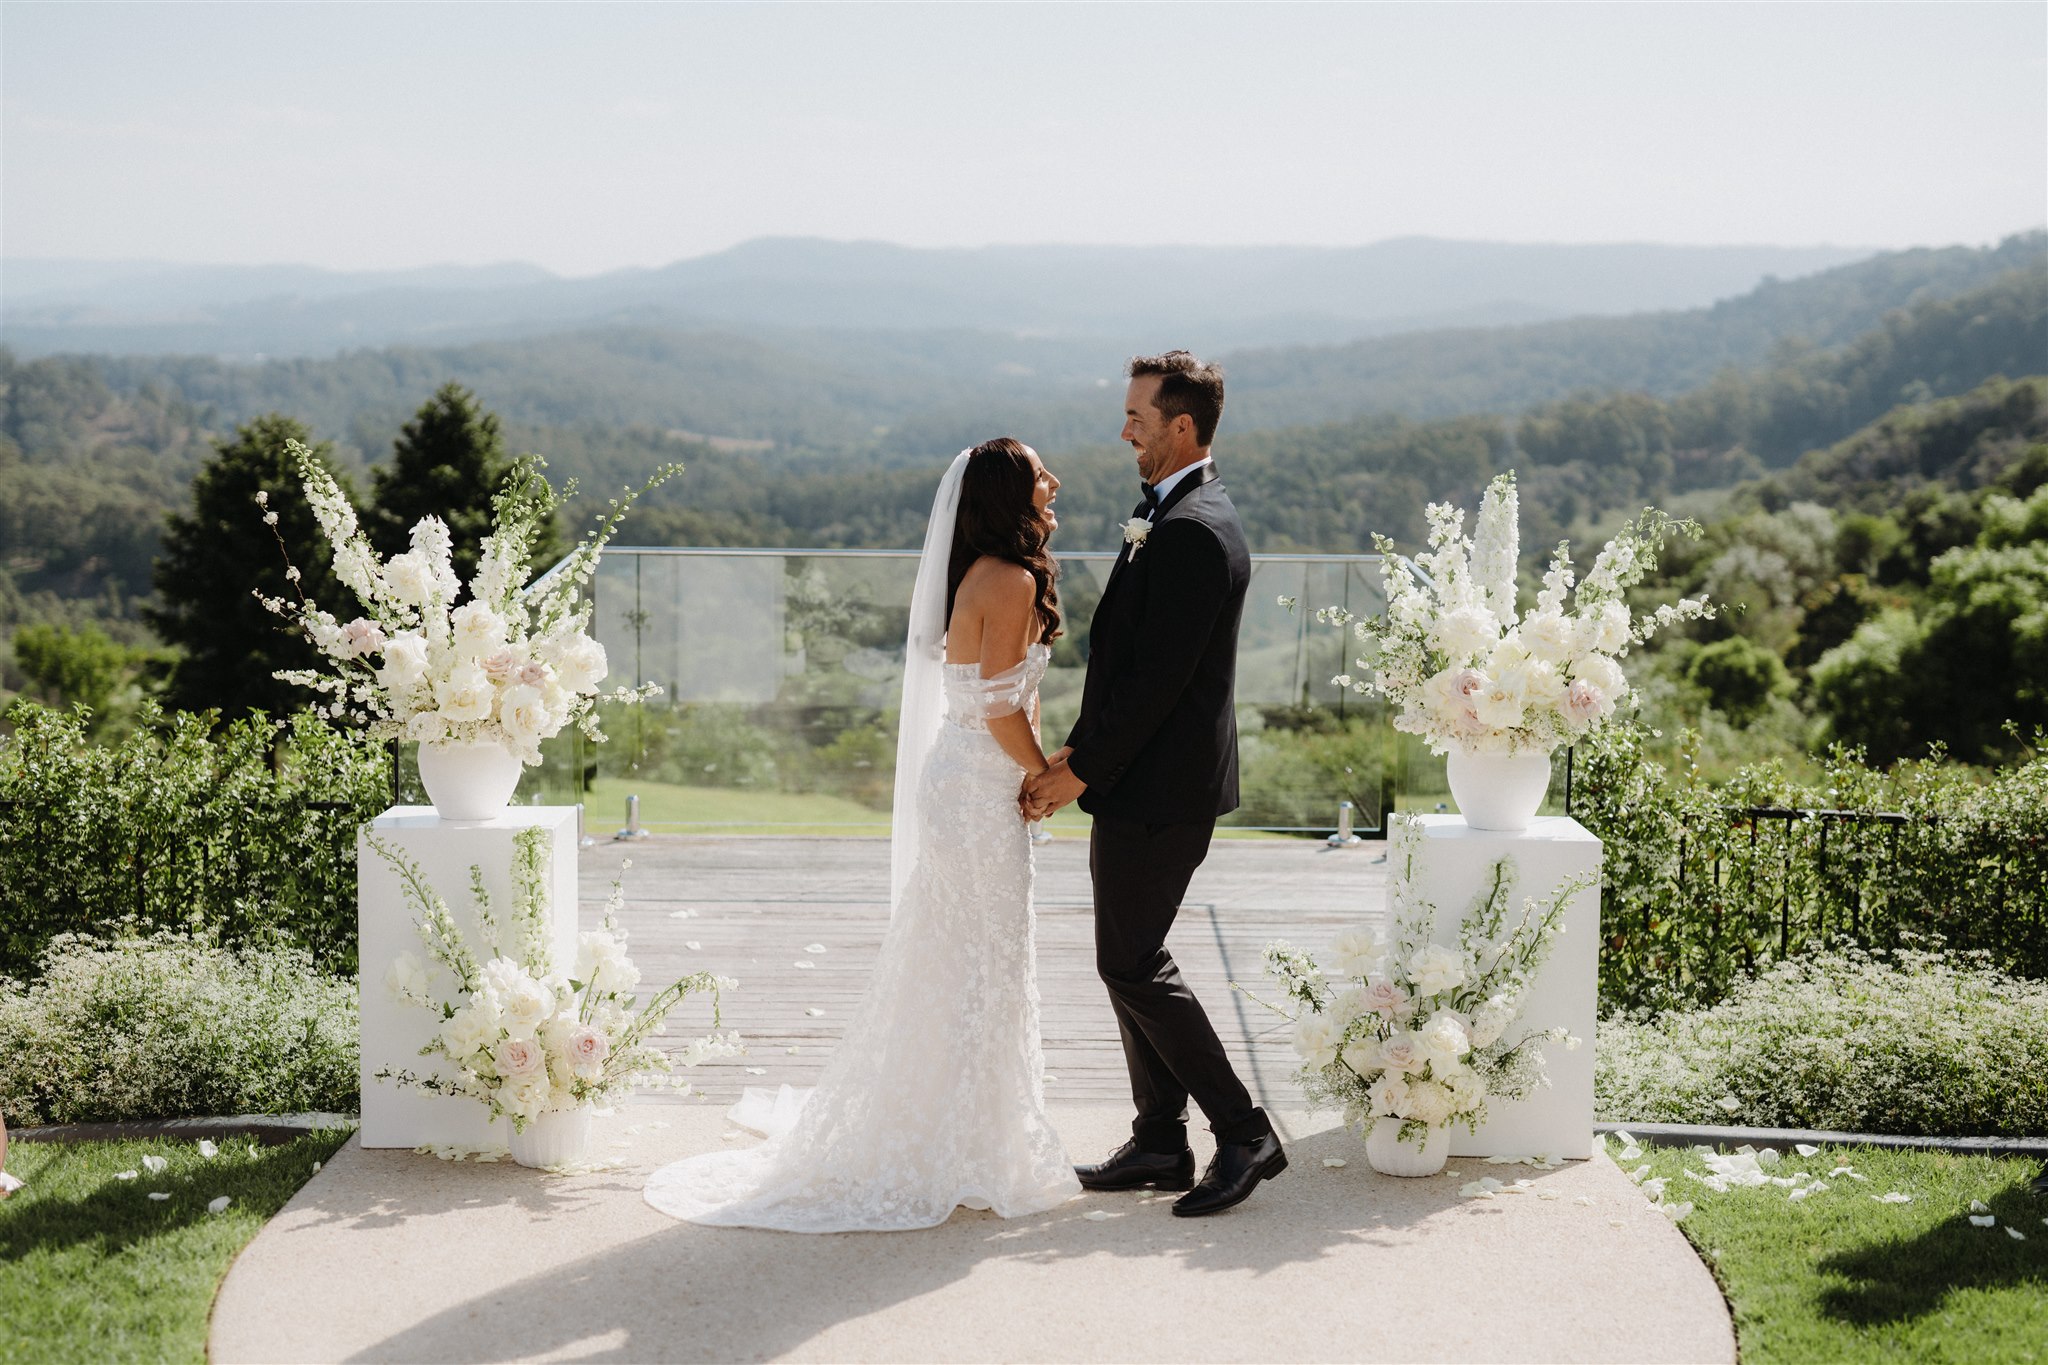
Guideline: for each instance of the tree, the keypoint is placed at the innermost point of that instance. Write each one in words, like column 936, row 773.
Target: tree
column 1740, row 676
column 85, row 666
column 220, row 553
column 448, row 462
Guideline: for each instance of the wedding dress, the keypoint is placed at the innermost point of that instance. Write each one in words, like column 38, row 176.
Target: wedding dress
column 935, row 1096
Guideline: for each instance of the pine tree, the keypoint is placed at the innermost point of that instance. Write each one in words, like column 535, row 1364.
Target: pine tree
column 215, row 558
column 448, row 462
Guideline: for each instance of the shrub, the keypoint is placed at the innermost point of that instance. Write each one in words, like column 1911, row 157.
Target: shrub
column 172, row 1025
column 1905, row 1042
column 180, row 825
column 1739, row 676
column 1696, row 893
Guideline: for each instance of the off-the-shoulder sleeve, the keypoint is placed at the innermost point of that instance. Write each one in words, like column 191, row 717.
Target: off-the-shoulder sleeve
column 1008, row 691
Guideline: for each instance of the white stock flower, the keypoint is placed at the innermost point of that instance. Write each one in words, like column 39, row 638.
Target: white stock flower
column 601, row 962
column 1436, row 969
column 1490, row 1020
column 405, row 662
column 1466, row 1088
column 1614, row 627
column 1463, row 633
column 1428, row 1102
column 478, row 630
column 465, row 694
column 1315, row 1038
column 1363, row 1056
column 1357, row 952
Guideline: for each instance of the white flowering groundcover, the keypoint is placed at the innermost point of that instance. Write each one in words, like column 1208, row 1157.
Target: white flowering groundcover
column 1464, row 669
column 1415, row 1030
column 519, row 1035
column 499, row 667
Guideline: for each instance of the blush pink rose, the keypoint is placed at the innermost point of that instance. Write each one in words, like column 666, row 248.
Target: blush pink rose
column 499, row 664
column 517, row 1057
column 588, row 1048
column 534, row 675
column 1583, row 701
column 362, row 637
column 1384, row 998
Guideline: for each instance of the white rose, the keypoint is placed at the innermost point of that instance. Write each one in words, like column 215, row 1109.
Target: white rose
column 1315, row 1038
column 465, row 694
column 525, row 1003
column 478, row 630
column 528, row 1096
column 1389, row 1095
column 1614, row 627
column 1501, row 704
column 580, row 664
column 1436, row 969
column 411, row 577
column 524, row 713
column 1402, row 1052
column 1463, row 633
column 1444, row 1037
column 405, row 662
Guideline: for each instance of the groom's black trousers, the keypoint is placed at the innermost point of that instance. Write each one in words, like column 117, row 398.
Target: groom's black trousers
column 1141, row 871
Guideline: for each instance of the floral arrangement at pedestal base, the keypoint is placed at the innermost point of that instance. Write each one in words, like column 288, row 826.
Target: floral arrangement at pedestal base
column 1470, row 673
column 536, row 1041
column 1409, row 1036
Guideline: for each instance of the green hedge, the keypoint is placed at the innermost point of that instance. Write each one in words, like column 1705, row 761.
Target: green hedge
column 183, row 825
column 1697, row 896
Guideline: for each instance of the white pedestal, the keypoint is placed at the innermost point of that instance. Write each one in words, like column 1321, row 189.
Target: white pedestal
column 1455, row 861
column 394, row 1031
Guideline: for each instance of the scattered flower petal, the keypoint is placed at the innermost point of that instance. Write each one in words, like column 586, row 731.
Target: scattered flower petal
column 814, row 948
column 1767, row 1157
column 153, row 1164
column 218, row 1205
column 126, row 1175
column 1097, row 1215
column 1333, row 1162
column 207, row 1149
column 1805, row 1149
column 757, row 1070
column 805, row 966
column 1893, row 1198
column 1728, row 1103
column 692, row 944
column 1675, row 1212
column 158, row 1195
column 790, row 1050
column 1979, row 1206
column 1548, row 1194
column 1621, row 1135
column 1631, row 1153
column 1983, row 1220
column 815, row 1013
column 1585, row 1199
column 1617, row 1222
column 2015, row 1233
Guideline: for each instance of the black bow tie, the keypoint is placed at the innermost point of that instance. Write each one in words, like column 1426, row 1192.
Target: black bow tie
column 1151, row 494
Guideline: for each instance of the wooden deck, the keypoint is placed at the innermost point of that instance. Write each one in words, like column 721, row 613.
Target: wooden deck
column 757, row 904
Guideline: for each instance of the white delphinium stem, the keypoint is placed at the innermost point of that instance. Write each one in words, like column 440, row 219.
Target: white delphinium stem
column 1497, row 548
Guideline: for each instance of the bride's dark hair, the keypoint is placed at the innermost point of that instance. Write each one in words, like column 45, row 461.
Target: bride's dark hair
column 997, row 518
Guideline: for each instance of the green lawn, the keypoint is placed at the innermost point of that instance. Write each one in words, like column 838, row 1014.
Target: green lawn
column 667, row 808
column 1840, row 1276
column 96, row 1270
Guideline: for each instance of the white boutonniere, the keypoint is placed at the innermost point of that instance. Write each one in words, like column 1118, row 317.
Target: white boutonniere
column 1135, row 531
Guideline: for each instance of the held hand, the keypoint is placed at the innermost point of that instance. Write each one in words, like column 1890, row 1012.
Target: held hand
column 1057, row 786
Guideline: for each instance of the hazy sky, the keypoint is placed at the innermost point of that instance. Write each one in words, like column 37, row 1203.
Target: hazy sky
column 587, row 137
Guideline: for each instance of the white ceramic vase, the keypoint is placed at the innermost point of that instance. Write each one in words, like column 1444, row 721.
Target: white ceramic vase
column 469, row 781
column 1387, row 1154
column 554, row 1138
column 1498, row 791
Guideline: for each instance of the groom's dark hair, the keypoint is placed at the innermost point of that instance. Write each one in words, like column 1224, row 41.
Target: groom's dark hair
column 1187, row 388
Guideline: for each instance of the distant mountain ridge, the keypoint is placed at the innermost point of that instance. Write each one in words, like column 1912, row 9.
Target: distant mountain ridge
column 1213, row 297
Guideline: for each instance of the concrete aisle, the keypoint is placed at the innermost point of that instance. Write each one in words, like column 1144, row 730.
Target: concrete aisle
column 387, row 1256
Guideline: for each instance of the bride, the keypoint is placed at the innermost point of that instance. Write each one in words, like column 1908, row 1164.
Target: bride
column 935, row 1097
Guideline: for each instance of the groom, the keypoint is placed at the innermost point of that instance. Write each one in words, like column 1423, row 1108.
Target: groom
column 1153, row 759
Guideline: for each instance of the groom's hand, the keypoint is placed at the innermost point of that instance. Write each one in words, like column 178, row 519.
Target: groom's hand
column 1057, row 786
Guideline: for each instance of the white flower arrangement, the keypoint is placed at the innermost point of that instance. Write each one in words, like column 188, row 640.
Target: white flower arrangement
column 502, row 666
column 1467, row 671
column 1414, row 1030
column 519, row 1034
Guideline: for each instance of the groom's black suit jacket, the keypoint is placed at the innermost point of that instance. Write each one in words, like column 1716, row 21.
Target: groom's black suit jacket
column 1157, row 736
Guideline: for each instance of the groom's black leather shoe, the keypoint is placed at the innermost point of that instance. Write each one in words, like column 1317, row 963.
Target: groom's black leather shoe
column 1233, row 1173
column 1130, row 1169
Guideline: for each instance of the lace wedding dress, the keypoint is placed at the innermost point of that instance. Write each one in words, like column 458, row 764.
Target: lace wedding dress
column 935, row 1097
